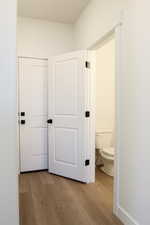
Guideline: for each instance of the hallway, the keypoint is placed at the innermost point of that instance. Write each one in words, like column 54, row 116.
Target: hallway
column 47, row 199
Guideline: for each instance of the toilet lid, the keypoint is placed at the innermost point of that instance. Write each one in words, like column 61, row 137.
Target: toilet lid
column 109, row 151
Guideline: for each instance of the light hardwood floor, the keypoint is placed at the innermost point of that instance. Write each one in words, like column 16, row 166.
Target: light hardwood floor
column 47, row 199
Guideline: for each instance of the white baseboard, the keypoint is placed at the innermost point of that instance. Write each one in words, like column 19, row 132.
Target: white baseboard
column 124, row 216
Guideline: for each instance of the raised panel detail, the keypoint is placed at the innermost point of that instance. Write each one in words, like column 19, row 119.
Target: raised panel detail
column 66, row 145
column 66, row 87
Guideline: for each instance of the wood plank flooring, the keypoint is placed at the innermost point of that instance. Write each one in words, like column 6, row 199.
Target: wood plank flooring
column 47, row 199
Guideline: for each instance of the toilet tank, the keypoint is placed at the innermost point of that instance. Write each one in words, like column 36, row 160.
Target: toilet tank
column 104, row 139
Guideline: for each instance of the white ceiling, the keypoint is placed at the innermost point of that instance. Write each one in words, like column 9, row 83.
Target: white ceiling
column 65, row 11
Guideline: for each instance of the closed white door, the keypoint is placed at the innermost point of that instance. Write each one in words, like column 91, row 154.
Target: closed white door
column 68, row 129
column 33, row 75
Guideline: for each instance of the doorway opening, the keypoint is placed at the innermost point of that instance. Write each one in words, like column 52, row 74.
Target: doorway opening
column 105, row 77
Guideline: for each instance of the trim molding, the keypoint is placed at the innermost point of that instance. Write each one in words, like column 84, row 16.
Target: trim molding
column 125, row 217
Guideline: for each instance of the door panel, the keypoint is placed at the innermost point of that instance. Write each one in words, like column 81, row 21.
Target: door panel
column 33, row 101
column 66, row 148
column 66, row 81
column 67, row 103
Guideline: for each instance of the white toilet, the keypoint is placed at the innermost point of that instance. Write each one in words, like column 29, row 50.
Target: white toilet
column 104, row 145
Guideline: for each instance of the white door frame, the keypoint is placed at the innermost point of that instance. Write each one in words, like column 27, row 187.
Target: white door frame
column 18, row 95
column 117, row 31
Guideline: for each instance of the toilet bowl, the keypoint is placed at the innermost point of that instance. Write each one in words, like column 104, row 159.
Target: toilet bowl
column 107, row 156
column 106, row 152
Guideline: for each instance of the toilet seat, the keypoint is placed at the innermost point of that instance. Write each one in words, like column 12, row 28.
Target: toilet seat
column 108, row 153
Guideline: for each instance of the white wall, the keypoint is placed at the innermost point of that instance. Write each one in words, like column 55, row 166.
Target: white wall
column 105, row 87
column 98, row 17
column 40, row 38
column 8, row 162
column 135, row 113
column 134, row 109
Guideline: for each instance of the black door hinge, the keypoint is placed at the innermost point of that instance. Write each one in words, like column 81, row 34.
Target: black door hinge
column 22, row 114
column 87, row 64
column 23, row 122
column 50, row 121
column 87, row 114
column 87, row 162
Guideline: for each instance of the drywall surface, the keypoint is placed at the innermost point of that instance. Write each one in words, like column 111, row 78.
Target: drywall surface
column 8, row 158
column 40, row 38
column 134, row 95
column 105, row 87
column 135, row 113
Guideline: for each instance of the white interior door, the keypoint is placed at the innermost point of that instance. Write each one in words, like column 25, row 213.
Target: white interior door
column 33, row 110
column 70, row 150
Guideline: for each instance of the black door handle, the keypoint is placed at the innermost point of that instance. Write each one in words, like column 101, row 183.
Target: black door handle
column 50, row 121
column 23, row 122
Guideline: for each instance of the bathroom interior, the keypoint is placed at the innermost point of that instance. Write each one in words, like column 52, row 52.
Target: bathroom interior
column 105, row 109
